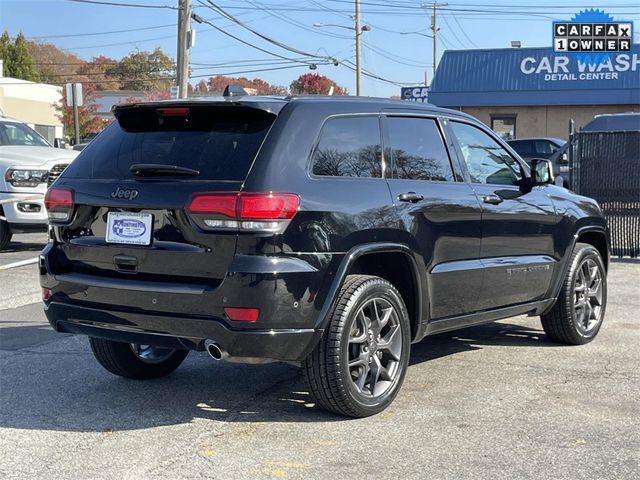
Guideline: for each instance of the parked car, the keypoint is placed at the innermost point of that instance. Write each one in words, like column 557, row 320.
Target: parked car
column 614, row 122
column 28, row 163
column 530, row 148
column 330, row 232
column 555, row 150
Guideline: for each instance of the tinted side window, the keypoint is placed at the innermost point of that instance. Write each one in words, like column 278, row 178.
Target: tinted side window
column 523, row 147
column 349, row 147
column 486, row 160
column 545, row 148
column 417, row 149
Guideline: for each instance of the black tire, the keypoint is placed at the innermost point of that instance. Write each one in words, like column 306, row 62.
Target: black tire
column 5, row 233
column 563, row 323
column 332, row 381
column 121, row 359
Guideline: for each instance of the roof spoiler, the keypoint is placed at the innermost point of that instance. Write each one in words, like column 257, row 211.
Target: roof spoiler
column 234, row 91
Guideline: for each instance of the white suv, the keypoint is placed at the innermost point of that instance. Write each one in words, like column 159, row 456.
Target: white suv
column 28, row 164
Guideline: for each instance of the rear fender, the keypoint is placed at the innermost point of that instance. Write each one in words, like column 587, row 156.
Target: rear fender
column 345, row 267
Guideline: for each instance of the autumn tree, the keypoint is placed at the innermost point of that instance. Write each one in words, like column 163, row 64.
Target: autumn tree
column 201, row 87
column 144, row 71
column 96, row 71
column 17, row 60
column 54, row 65
column 315, row 84
column 90, row 122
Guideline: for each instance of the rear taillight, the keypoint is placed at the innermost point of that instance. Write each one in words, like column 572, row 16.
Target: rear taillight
column 270, row 212
column 59, row 203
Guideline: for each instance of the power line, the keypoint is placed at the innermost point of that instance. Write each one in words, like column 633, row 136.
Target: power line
column 248, row 71
column 129, row 42
column 460, row 42
column 69, row 35
column 277, row 43
column 255, row 47
column 455, row 18
column 393, row 57
column 296, row 23
column 115, row 4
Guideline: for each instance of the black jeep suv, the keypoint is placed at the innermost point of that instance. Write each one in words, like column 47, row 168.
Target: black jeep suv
column 329, row 232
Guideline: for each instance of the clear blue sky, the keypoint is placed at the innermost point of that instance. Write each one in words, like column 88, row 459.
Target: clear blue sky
column 88, row 31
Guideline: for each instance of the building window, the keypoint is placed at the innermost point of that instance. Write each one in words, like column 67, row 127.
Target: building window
column 48, row 132
column 504, row 125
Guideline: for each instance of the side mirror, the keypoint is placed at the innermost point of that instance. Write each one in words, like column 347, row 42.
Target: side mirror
column 541, row 171
column 564, row 158
column 59, row 143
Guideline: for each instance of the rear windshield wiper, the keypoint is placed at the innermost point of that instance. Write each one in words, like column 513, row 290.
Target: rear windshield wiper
column 161, row 169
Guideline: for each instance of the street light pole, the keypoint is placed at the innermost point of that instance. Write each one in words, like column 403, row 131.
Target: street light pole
column 358, row 33
column 184, row 25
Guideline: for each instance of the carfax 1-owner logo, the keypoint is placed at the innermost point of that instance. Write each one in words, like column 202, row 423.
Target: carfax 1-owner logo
column 592, row 46
column 592, row 36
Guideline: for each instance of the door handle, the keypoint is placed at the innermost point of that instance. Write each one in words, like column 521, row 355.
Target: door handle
column 493, row 199
column 411, row 197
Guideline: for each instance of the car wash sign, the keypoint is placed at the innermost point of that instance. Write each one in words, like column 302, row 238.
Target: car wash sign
column 564, row 68
column 415, row 94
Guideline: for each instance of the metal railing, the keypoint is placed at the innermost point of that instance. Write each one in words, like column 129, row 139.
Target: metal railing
column 606, row 166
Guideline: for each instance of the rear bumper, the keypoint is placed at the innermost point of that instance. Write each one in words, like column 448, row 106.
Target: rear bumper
column 180, row 314
column 176, row 332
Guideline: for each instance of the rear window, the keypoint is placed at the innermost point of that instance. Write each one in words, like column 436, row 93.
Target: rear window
column 220, row 142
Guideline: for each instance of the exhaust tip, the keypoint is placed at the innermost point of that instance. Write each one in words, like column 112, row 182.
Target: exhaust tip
column 214, row 350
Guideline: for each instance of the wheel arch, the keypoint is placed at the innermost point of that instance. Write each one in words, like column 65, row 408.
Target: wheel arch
column 594, row 235
column 396, row 263
column 598, row 238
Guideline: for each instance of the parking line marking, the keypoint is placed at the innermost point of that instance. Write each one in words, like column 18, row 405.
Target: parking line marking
column 21, row 263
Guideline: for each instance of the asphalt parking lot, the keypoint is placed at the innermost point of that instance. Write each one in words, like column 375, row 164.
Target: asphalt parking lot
column 496, row 401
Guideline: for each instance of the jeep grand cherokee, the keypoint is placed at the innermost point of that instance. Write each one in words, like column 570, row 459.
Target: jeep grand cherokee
column 331, row 232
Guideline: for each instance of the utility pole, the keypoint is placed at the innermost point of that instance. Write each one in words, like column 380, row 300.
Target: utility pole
column 184, row 26
column 435, row 29
column 76, row 115
column 358, row 34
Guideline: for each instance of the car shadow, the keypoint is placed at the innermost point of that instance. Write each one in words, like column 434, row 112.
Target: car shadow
column 474, row 338
column 64, row 389
column 16, row 247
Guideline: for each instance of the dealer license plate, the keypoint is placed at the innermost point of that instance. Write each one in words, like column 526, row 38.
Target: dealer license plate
column 129, row 228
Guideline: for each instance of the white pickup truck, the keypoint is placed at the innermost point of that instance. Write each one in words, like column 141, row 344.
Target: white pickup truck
column 28, row 165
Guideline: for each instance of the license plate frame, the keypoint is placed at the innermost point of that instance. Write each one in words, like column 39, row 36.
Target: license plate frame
column 129, row 228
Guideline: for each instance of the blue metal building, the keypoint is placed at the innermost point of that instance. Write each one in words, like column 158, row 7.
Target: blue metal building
column 526, row 92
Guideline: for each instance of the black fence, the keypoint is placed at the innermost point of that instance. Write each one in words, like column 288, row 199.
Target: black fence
column 606, row 166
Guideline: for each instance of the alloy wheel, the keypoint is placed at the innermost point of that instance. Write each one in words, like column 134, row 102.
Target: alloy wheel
column 588, row 296
column 375, row 347
column 150, row 353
